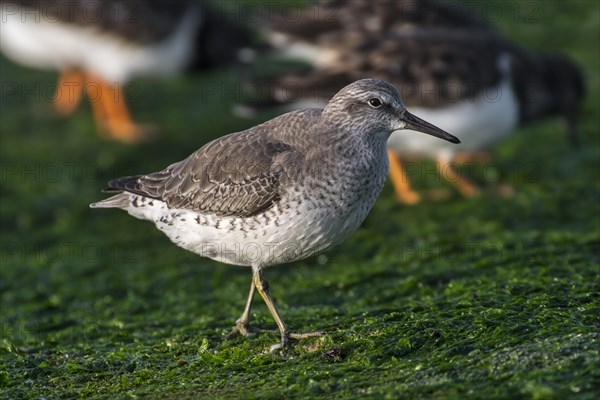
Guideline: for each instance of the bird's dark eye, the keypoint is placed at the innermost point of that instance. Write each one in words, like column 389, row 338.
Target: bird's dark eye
column 375, row 102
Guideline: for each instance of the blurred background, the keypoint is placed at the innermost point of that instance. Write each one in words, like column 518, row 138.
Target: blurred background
column 496, row 293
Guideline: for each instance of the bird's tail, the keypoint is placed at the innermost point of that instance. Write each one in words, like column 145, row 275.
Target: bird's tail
column 120, row 200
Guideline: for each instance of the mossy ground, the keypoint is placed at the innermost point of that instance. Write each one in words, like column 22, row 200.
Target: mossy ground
column 491, row 297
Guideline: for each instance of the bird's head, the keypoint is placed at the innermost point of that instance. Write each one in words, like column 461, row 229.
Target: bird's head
column 378, row 105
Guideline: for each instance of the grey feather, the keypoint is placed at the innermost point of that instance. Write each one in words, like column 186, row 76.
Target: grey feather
column 120, row 200
column 238, row 174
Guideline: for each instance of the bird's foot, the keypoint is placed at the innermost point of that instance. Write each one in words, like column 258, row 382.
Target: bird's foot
column 64, row 106
column 285, row 340
column 129, row 131
column 243, row 328
column 468, row 189
column 439, row 194
column 407, row 197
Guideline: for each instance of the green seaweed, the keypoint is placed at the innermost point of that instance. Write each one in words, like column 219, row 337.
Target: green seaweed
column 490, row 297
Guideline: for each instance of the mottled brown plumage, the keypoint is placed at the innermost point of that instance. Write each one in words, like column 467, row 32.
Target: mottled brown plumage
column 438, row 53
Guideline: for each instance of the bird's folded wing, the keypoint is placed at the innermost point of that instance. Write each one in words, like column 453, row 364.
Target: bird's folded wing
column 239, row 175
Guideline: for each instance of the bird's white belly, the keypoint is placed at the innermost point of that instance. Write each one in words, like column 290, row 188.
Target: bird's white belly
column 477, row 123
column 34, row 40
column 270, row 238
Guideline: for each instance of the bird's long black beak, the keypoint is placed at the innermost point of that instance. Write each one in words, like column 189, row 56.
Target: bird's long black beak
column 417, row 124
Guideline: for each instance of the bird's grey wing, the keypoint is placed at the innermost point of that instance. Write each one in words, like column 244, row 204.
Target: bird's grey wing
column 239, row 174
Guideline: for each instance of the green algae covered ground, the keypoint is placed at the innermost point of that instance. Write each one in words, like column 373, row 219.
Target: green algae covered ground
column 491, row 297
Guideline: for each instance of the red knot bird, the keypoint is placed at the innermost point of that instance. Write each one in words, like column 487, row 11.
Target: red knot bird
column 101, row 45
column 281, row 191
column 452, row 66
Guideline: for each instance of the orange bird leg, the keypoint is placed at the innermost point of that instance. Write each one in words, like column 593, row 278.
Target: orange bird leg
column 95, row 92
column 466, row 188
column 404, row 192
column 68, row 92
column 111, row 113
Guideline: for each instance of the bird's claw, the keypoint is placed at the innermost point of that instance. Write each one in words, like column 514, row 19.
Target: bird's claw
column 285, row 340
column 244, row 329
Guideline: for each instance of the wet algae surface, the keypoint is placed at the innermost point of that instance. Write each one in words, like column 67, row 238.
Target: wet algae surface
column 492, row 297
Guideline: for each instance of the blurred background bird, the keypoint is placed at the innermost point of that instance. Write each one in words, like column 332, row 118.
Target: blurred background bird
column 454, row 69
column 100, row 45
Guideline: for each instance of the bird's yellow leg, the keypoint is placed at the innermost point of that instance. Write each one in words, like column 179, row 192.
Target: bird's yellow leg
column 68, row 92
column 464, row 186
column 112, row 114
column 242, row 325
column 404, row 193
column 263, row 288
